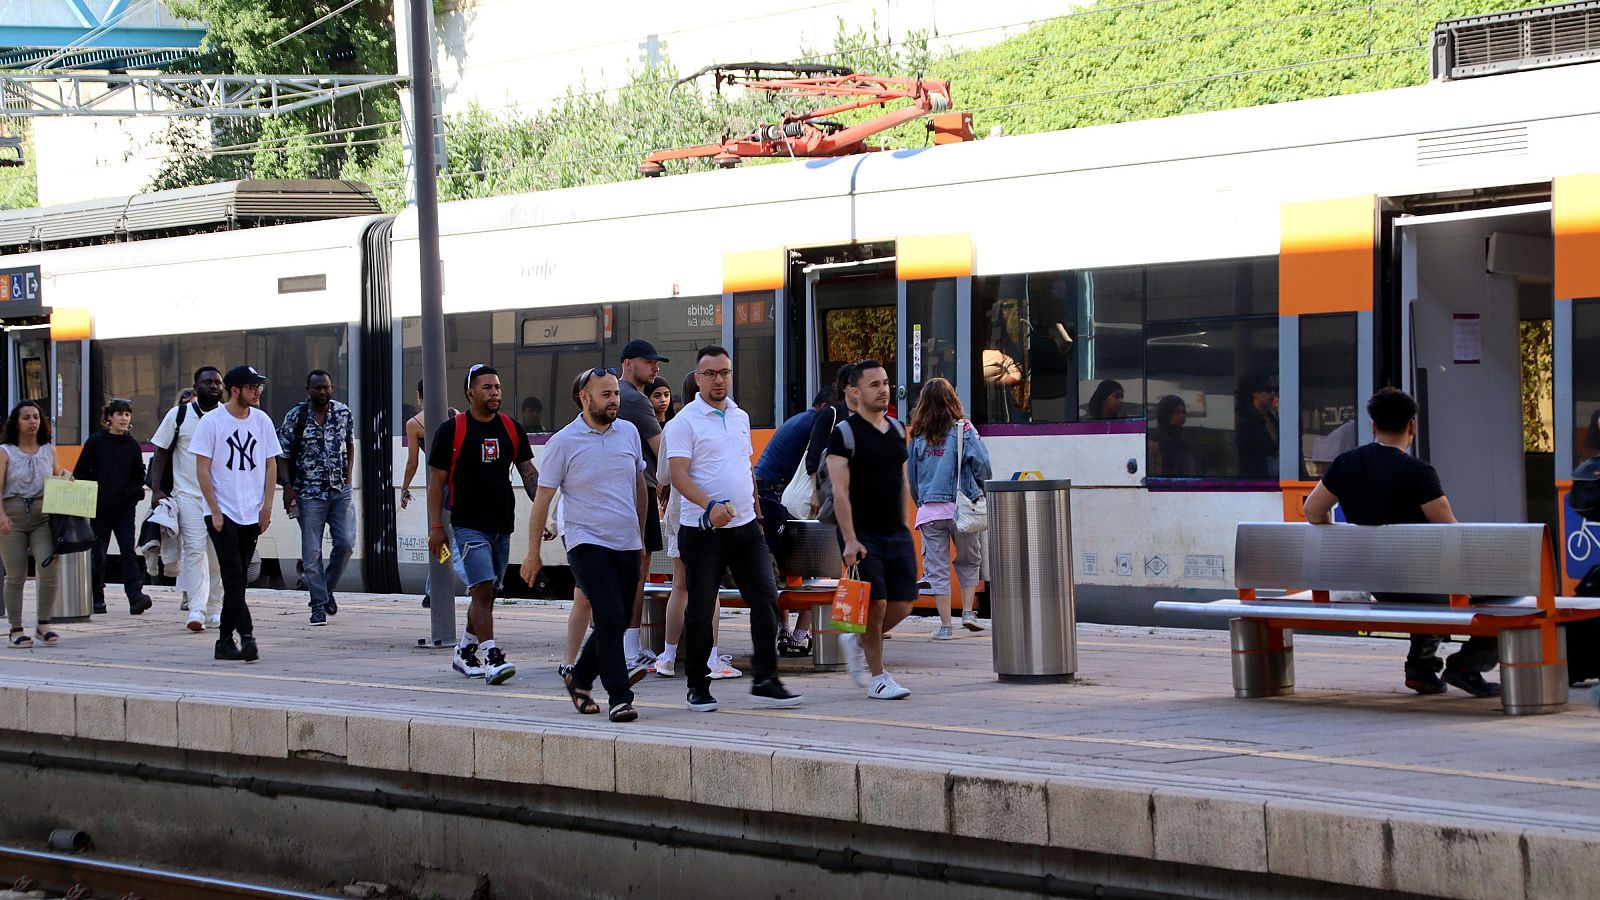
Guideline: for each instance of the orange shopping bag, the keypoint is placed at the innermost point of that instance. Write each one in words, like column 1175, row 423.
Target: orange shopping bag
column 851, row 601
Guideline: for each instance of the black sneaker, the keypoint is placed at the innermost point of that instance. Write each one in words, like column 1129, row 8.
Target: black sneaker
column 332, row 606
column 771, row 692
column 426, row 603
column 139, row 604
column 228, row 650
column 247, row 649
column 1471, row 682
column 319, row 617
column 1425, row 682
column 100, row 607
column 784, row 643
column 701, row 701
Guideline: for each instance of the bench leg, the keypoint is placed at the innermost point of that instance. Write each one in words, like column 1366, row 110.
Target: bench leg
column 1533, row 681
column 826, row 654
column 1263, row 659
column 653, row 624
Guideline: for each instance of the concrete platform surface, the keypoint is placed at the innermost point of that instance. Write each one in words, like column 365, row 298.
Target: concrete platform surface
column 1352, row 780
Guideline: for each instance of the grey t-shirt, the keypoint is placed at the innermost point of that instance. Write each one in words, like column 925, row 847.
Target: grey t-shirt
column 636, row 409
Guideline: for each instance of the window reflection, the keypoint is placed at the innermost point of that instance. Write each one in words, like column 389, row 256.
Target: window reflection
column 1327, row 391
column 1223, row 375
column 1586, row 378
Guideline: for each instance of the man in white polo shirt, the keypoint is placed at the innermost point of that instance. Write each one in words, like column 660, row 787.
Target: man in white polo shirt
column 598, row 465
column 708, row 450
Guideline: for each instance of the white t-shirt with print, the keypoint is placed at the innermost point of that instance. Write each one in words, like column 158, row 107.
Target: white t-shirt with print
column 179, row 459
column 238, row 450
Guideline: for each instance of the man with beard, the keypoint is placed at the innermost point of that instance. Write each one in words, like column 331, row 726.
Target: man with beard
column 469, row 460
column 172, row 474
column 598, row 465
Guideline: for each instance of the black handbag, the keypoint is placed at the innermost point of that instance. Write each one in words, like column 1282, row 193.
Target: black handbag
column 70, row 534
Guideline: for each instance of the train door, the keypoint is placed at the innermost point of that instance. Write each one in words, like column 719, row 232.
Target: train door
column 852, row 313
column 31, row 365
column 1476, row 336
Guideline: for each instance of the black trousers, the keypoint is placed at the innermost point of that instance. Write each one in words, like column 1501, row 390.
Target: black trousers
column 742, row 552
column 235, row 545
column 1478, row 654
column 769, row 495
column 609, row 578
column 120, row 523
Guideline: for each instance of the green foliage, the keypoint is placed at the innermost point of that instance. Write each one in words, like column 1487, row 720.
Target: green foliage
column 19, row 185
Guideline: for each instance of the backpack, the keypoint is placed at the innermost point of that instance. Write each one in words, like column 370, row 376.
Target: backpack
column 459, row 439
column 1584, row 498
column 177, row 431
column 69, row 534
column 847, row 436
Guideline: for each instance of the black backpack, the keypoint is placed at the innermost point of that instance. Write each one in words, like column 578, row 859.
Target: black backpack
column 177, row 429
column 70, row 534
column 1584, row 498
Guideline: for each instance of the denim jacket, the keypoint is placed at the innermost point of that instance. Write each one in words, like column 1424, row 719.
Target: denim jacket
column 931, row 471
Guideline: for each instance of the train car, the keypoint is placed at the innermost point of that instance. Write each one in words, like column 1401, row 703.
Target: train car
column 1184, row 316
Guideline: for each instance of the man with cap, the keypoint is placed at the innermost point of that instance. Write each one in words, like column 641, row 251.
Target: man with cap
column 236, row 454
column 640, row 366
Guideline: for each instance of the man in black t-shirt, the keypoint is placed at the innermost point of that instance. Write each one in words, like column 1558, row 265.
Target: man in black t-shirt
column 867, row 468
column 470, row 458
column 1382, row 484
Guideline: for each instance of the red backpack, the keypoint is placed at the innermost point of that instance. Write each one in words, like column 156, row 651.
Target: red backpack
column 460, row 439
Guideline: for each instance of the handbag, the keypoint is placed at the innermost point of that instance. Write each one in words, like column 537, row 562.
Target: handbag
column 797, row 496
column 851, row 601
column 69, row 534
column 972, row 516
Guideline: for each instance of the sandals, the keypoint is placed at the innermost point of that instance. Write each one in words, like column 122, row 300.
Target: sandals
column 45, row 636
column 623, row 712
column 20, row 640
column 582, row 700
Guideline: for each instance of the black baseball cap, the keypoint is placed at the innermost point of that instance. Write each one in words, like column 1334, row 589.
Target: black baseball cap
column 239, row 376
column 642, row 350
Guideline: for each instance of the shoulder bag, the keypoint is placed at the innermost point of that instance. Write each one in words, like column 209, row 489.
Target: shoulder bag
column 972, row 516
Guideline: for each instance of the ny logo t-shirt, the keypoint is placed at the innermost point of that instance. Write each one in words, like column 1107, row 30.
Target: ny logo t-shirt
column 239, row 450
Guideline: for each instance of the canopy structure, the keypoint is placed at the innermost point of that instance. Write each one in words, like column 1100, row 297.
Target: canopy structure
column 104, row 35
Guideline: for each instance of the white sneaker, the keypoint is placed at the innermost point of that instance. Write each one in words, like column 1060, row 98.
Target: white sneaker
column 969, row 620
column 665, row 666
column 855, row 659
column 496, row 669
column 944, row 633
column 465, row 661
column 884, row 687
column 214, row 621
column 642, row 659
column 197, row 621
column 724, row 669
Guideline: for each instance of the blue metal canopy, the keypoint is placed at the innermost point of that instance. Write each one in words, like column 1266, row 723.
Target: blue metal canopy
column 94, row 34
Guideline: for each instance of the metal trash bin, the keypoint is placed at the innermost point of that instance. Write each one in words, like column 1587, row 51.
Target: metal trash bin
column 1031, row 600
column 74, row 596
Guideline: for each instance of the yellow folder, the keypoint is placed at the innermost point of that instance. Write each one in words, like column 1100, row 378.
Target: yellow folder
column 70, row 498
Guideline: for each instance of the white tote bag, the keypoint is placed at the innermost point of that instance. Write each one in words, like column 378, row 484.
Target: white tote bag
column 797, row 496
column 972, row 516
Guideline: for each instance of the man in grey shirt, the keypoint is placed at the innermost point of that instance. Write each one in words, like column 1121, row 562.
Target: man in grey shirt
column 597, row 464
column 640, row 366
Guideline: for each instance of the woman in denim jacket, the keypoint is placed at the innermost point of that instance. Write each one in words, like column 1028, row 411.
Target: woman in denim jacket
column 932, row 470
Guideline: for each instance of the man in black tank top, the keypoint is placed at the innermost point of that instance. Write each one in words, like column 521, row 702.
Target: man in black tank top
column 1382, row 484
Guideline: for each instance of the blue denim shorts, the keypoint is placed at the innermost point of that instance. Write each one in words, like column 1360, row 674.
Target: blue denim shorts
column 483, row 555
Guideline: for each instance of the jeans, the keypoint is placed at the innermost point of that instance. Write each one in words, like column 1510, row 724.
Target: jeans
column 707, row 554
column 30, row 531
column 483, row 556
column 609, row 578
column 338, row 515
column 199, row 576
column 120, row 523
column 1478, row 654
column 235, row 544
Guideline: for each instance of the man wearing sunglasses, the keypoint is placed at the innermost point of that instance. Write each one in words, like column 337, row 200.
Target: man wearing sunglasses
column 708, row 450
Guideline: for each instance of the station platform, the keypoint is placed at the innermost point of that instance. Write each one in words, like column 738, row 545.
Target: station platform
column 1143, row 778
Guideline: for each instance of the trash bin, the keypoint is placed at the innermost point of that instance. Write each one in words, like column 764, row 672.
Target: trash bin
column 1031, row 600
column 74, row 597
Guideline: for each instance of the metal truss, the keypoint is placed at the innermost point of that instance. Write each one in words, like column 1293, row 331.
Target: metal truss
column 223, row 96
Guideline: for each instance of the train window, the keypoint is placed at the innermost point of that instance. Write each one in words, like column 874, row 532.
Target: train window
column 1216, row 398
column 69, row 396
column 1110, row 306
column 1211, row 289
column 1327, row 391
column 1026, row 329
column 677, row 327
column 754, row 352
column 1586, row 377
column 131, row 368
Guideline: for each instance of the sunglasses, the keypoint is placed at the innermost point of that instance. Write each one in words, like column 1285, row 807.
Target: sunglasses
column 594, row 373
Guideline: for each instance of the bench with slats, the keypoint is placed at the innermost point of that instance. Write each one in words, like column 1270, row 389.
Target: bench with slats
column 1500, row 580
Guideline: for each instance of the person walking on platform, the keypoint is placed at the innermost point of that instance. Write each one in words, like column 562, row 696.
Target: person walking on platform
column 319, row 448
column 597, row 462
column 708, row 451
column 866, row 465
column 640, row 366
column 947, row 457
column 28, row 459
column 778, row 464
column 469, row 463
column 236, row 462
column 111, row 458
column 172, row 474
column 1382, row 484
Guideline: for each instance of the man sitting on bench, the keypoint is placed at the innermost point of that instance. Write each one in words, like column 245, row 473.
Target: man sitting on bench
column 1382, row 484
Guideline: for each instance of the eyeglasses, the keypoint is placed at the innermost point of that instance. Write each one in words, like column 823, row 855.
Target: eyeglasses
column 716, row 374
column 592, row 373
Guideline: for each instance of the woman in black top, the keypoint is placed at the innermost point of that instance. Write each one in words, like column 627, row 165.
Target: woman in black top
column 112, row 459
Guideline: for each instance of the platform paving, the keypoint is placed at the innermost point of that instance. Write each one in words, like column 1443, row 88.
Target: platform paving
column 1352, row 779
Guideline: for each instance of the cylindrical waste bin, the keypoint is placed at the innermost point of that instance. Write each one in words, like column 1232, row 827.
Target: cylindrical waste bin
column 1031, row 600
column 74, row 600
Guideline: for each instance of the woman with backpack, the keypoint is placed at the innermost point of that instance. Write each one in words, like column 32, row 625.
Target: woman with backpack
column 947, row 458
column 27, row 459
column 112, row 459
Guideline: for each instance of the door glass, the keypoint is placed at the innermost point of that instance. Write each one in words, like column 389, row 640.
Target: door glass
column 855, row 320
column 930, row 336
column 69, row 395
column 1327, row 391
column 33, row 364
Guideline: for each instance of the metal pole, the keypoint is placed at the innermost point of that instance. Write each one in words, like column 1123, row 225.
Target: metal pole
column 433, row 373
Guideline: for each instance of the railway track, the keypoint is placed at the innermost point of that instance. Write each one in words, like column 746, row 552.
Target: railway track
column 80, row 878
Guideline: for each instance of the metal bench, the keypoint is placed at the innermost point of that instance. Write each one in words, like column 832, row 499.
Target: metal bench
column 1510, row 566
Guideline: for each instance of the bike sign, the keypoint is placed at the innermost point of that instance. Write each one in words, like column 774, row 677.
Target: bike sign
column 1582, row 544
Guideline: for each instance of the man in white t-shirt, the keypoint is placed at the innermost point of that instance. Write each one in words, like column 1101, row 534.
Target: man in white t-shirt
column 236, row 462
column 172, row 475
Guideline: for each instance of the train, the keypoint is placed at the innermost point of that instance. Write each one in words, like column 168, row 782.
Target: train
column 1182, row 316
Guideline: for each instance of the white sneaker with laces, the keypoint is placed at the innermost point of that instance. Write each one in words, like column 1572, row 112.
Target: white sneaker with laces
column 855, row 659
column 665, row 666
column 643, row 658
column 969, row 620
column 884, row 687
column 724, row 669
column 944, row 633
column 465, row 661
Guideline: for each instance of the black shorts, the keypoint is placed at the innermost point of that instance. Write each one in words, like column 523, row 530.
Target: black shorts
column 890, row 565
column 652, row 528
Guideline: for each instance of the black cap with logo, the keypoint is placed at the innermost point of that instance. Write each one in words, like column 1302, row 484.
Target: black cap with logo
column 642, row 350
column 240, row 376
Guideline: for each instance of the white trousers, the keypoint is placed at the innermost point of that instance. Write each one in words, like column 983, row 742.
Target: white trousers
column 199, row 576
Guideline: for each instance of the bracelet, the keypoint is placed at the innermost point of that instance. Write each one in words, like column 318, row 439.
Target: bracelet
column 435, row 527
